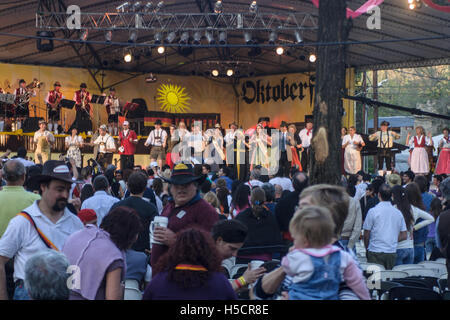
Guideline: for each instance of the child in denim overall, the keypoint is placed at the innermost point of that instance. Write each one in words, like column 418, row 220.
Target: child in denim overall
column 317, row 268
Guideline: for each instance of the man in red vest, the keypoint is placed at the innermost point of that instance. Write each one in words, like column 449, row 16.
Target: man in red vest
column 128, row 141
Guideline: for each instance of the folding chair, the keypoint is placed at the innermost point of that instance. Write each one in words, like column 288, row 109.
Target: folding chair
column 385, row 286
column 422, row 272
column 441, row 260
column 375, row 281
column 370, row 268
column 404, row 267
column 413, row 293
column 440, row 268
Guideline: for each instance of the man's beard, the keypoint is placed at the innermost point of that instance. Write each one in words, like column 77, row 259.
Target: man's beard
column 60, row 204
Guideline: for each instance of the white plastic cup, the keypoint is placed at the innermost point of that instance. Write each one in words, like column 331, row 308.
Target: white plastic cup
column 158, row 221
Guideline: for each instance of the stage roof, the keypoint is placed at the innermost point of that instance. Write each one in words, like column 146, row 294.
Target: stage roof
column 377, row 52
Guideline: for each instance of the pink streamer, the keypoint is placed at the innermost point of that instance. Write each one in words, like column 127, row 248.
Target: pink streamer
column 433, row 5
column 363, row 9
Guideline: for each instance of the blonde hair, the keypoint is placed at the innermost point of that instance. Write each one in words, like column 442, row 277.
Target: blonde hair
column 314, row 224
column 320, row 145
column 334, row 198
column 212, row 199
column 292, row 126
column 422, row 130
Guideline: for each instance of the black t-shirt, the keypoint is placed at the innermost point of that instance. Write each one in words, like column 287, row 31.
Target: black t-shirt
column 147, row 211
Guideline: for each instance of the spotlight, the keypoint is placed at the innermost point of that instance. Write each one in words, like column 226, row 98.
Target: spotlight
column 253, row 7
column 223, row 37
column 136, row 6
column 158, row 38
column 45, row 42
column 218, row 7
column 161, row 50
column 215, row 73
column 298, row 37
column 123, row 7
column 184, row 38
column 108, row 36
column 159, row 6
column 197, row 38
column 170, row 37
column 209, row 36
column 150, row 78
column 148, row 7
column 127, row 57
column 84, row 35
column 280, row 51
column 133, row 36
column 273, row 37
column 230, row 72
column 312, row 57
column 248, row 38
column 412, row 6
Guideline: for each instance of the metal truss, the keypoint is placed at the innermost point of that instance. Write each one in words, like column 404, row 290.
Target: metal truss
column 173, row 22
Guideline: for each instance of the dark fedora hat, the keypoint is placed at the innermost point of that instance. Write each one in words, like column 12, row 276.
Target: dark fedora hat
column 385, row 123
column 55, row 170
column 83, row 85
column 183, row 174
column 283, row 124
column 158, row 121
column 57, row 84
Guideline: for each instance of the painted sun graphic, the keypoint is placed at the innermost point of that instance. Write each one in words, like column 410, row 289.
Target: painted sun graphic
column 173, row 98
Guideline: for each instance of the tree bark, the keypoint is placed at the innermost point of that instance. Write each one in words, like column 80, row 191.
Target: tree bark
column 330, row 84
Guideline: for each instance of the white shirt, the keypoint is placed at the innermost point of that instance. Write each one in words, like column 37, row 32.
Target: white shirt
column 46, row 133
column 25, row 162
column 385, row 138
column 152, row 138
column 360, row 190
column 254, row 183
column 356, row 138
column 101, row 203
column 105, row 142
column 385, row 223
column 416, row 213
column 306, row 139
column 284, row 182
column 22, row 241
column 72, row 141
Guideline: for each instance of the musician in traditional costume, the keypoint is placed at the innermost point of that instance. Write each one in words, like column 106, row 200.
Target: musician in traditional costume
column 157, row 140
column 73, row 144
column 352, row 143
column 419, row 161
column 112, row 105
column 385, row 138
column 293, row 142
column 43, row 140
column 52, row 100
column 443, row 163
column 306, row 135
column 83, row 109
column 23, row 95
column 128, row 141
column 106, row 147
column 285, row 150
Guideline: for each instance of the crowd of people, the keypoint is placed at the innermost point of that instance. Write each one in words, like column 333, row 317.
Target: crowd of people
column 175, row 231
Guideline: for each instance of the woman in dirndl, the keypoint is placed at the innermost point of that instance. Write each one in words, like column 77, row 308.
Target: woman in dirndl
column 419, row 161
column 443, row 163
column 74, row 143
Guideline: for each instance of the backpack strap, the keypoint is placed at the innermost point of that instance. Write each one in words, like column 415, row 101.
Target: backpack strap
column 43, row 237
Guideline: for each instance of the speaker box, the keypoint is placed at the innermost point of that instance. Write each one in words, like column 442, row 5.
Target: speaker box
column 31, row 124
column 140, row 111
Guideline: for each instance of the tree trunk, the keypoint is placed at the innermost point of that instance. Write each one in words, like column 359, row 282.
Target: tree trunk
column 330, row 84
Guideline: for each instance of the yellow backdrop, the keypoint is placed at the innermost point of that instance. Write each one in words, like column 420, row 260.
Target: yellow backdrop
column 287, row 101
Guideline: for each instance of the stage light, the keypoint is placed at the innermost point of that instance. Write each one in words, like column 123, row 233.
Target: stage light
column 230, row 72
column 170, row 37
column 248, row 38
column 123, row 7
column 148, row 7
column 158, row 38
column 136, row 6
column 273, row 37
column 184, row 38
column 161, row 50
column 215, row 73
column 127, row 57
column 84, row 35
column 253, row 7
column 159, row 6
column 223, row 37
column 209, row 36
column 108, row 36
column 133, row 36
column 312, row 58
column 218, row 7
column 280, row 51
column 298, row 37
column 197, row 38
column 45, row 42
